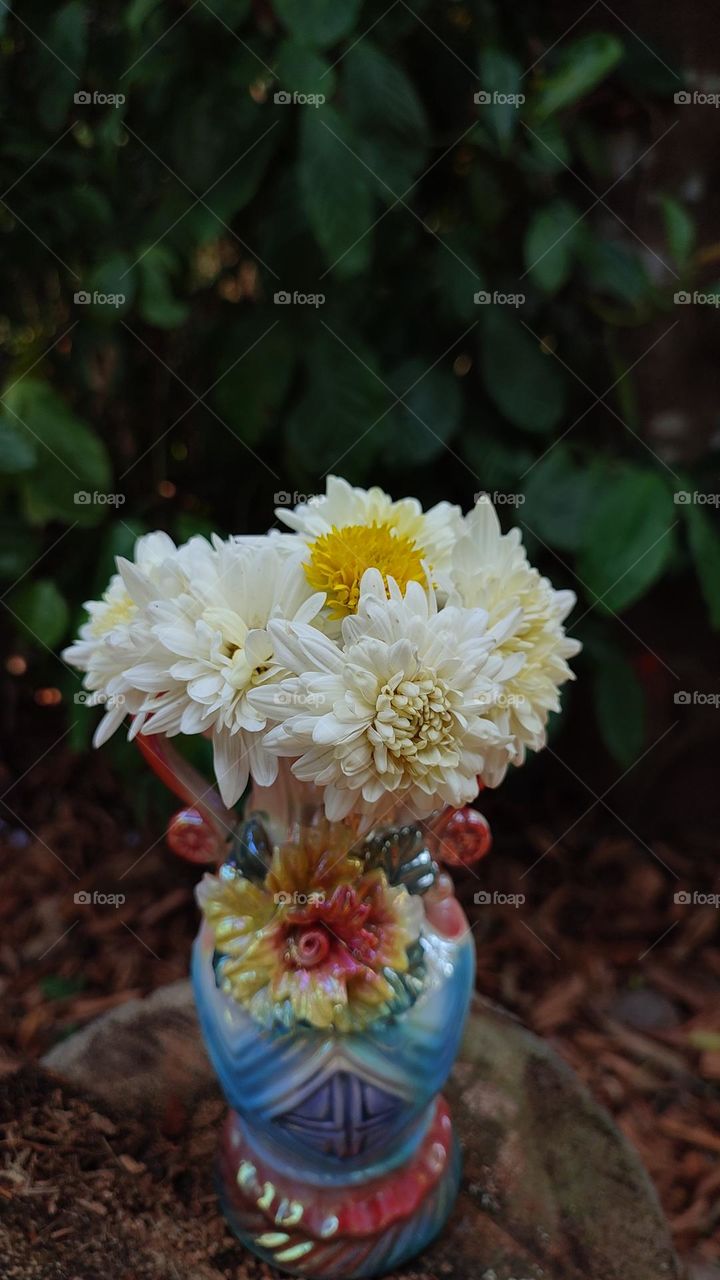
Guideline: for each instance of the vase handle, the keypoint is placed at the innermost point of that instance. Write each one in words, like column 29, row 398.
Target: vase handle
column 186, row 782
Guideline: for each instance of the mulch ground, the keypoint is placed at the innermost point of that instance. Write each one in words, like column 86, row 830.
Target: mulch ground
column 600, row 959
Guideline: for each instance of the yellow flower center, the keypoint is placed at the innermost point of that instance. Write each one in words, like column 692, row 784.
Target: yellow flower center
column 338, row 560
column 115, row 613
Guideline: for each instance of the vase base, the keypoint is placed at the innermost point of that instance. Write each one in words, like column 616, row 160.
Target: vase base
column 341, row 1231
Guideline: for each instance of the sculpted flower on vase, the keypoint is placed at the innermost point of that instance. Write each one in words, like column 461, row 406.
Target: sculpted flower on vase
column 316, row 942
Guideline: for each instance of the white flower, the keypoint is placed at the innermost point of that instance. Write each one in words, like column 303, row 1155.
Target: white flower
column 115, row 637
column 350, row 530
column 212, row 647
column 398, row 714
column 490, row 570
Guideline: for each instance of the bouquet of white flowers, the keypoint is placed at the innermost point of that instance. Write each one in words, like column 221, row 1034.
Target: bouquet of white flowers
column 399, row 658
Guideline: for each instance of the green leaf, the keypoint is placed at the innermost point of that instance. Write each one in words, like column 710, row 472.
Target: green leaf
column 318, row 22
column 56, row 987
column 581, row 66
column 490, row 202
column 613, row 268
column 17, row 449
column 456, row 277
column 61, row 62
column 559, row 497
column 548, row 150
column 388, row 117
column 647, row 70
column 235, row 189
column 500, row 79
column 302, row 70
column 498, row 466
column 41, row 610
column 111, row 288
column 549, row 244
column 527, row 386
column 679, row 229
column 419, row 428
column 249, row 395
column 340, row 420
column 18, row 548
column 705, row 547
column 335, row 191
column 71, row 460
column 137, row 12
column 620, row 708
column 229, row 13
column 157, row 304
column 628, row 539
column 380, row 95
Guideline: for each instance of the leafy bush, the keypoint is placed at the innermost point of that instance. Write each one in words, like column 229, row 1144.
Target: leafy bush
column 170, row 177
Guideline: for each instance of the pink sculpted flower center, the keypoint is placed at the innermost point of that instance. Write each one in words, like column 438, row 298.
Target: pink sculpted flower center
column 310, row 947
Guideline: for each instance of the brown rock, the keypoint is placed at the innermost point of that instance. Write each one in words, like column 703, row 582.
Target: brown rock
column 551, row 1190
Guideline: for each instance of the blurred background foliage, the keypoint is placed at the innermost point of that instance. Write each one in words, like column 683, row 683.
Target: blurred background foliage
column 403, row 200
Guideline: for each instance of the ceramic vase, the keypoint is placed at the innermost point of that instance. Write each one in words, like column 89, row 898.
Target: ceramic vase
column 338, row 1156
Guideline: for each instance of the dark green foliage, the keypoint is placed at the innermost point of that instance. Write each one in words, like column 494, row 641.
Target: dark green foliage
column 175, row 162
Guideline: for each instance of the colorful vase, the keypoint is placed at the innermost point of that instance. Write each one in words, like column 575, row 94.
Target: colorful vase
column 332, row 974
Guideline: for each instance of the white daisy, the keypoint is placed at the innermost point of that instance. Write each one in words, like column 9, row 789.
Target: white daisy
column 116, row 636
column 212, row 647
column 490, row 570
column 398, row 712
column 350, row 530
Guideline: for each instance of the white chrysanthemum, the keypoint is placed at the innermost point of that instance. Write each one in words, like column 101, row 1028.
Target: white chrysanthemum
column 398, row 713
column 116, row 636
column 350, row 530
column 490, row 570
column 212, row 647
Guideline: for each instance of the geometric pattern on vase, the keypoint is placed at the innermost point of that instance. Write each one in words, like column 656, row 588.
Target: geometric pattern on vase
column 344, row 1116
column 338, row 1231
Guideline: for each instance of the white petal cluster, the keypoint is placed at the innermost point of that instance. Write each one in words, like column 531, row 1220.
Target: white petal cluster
column 434, row 532
column 490, row 570
column 396, row 712
column 425, row 686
